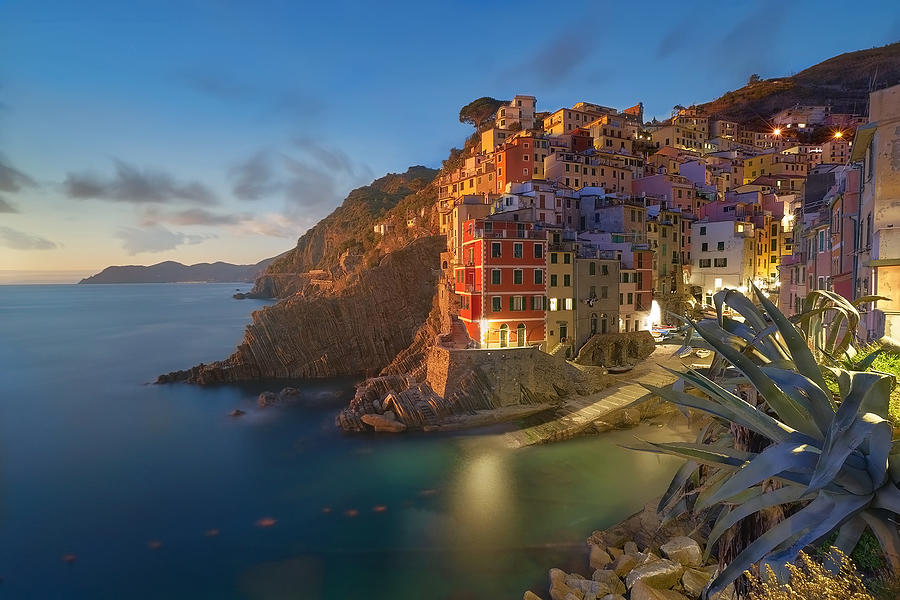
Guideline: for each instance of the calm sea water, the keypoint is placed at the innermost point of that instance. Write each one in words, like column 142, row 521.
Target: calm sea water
column 130, row 477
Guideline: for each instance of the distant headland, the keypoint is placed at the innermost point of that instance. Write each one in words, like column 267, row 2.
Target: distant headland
column 175, row 272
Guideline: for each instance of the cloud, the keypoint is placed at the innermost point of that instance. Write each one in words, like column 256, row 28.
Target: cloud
column 13, row 180
column 130, row 184
column 6, row 206
column 191, row 216
column 268, row 98
column 18, row 240
column 311, row 176
column 254, row 178
column 155, row 239
column 554, row 60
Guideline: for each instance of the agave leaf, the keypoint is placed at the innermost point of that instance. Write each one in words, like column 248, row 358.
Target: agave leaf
column 865, row 299
column 790, row 455
column 713, row 482
column 866, row 363
column 796, row 344
column 681, row 507
column 743, row 306
column 728, row 458
column 866, row 392
column 888, row 498
column 786, row 408
column 883, row 525
column 740, row 412
column 681, row 477
column 821, row 405
column 843, row 507
column 877, row 449
column 789, row 493
column 815, row 512
column 847, row 539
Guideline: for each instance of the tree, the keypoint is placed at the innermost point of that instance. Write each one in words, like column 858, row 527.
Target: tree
column 479, row 111
column 677, row 109
column 755, row 78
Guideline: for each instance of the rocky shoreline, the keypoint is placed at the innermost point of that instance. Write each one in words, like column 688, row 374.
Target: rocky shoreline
column 639, row 559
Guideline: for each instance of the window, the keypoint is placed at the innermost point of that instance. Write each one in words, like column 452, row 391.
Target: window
column 495, row 276
column 567, row 258
column 721, row 262
column 624, row 277
column 538, row 251
column 516, row 303
column 593, row 292
column 553, row 258
column 704, row 247
column 554, row 304
column 517, row 250
column 621, row 299
column 704, row 263
column 703, row 231
column 604, row 292
column 720, row 246
column 604, row 269
column 538, row 277
column 517, row 276
column 567, row 280
column 821, row 242
column 495, row 304
column 553, row 280
column 568, row 304
column 592, row 269
column 495, row 249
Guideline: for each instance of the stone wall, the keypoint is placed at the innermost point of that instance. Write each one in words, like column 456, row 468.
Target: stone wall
column 616, row 349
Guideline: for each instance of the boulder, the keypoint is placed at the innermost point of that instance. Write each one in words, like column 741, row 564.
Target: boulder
column 630, row 548
column 642, row 591
column 588, row 587
column 381, row 423
column 267, row 399
column 560, row 591
column 529, row 595
column 694, row 580
column 557, row 575
column 624, row 564
column 658, row 574
column 684, row 551
column 610, row 579
column 599, row 559
column 614, row 552
column 613, row 597
column 288, row 394
column 237, row 413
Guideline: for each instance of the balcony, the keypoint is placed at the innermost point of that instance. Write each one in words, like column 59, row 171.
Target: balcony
column 510, row 235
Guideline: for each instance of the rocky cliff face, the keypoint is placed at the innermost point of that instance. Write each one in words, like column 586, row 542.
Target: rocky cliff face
column 356, row 329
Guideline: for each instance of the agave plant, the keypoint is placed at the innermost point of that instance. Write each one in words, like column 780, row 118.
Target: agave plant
column 836, row 459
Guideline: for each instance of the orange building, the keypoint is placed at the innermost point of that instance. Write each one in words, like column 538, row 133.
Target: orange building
column 501, row 282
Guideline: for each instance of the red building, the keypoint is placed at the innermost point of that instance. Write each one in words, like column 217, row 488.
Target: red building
column 502, row 283
column 515, row 162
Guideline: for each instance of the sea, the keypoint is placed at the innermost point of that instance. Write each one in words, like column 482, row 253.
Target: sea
column 114, row 487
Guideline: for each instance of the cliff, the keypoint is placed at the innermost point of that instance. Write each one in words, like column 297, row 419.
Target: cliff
column 345, row 240
column 356, row 329
column 175, row 272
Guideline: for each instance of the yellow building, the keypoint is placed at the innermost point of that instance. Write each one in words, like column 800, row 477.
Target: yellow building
column 560, row 318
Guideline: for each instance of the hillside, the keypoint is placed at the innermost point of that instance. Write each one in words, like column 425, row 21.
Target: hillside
column 347, row 236
column 842, row 81
column 175, row 272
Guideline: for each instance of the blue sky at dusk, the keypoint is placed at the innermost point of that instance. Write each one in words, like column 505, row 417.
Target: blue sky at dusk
column 135, row 132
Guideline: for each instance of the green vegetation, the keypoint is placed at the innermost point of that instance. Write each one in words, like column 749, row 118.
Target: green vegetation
column 478, row 112
column 886, row 360
column 829, row 463
column 843, row 81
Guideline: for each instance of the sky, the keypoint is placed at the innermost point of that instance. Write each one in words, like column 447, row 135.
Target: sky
column 136, row 132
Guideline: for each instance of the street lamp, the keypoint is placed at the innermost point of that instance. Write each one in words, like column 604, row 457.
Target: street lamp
column 838, row 134
column 777, row 131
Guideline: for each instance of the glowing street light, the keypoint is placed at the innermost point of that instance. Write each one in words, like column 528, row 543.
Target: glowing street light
column 777, row 131
column 838, row 134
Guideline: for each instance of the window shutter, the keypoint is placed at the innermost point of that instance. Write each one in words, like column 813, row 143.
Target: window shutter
column 511, row 305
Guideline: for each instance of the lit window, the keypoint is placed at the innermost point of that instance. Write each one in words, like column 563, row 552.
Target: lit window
column 554, row 304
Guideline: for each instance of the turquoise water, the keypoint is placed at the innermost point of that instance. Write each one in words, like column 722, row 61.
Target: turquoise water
column 131, row 477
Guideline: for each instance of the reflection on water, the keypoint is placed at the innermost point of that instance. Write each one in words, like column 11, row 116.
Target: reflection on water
column 132, row 479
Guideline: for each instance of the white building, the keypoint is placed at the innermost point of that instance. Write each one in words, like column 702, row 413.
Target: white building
column 721, row 256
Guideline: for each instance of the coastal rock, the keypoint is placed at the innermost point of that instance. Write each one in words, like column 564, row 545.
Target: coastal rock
column 630, row 548
column 657, row 574
column 694, row 580
column 610, row 578
column 683, row 550
column 613, row 597
column 599, row 559
column 357, row 329
column 382, row 423
column 529, row 595
column 288, row 394
column 267, row 399
column 588, row 587
column 614, row 552
column 624, row 564
column 237, row 413
column 642, row 591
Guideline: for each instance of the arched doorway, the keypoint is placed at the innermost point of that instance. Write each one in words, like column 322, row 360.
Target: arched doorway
column 520, row 335
column 504, row 336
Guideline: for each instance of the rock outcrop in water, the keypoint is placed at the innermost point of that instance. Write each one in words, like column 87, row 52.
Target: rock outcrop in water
column 359, row 328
